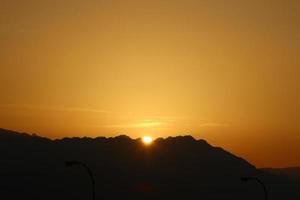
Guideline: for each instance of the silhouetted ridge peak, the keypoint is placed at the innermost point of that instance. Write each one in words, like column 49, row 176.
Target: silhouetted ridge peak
column 185, row 142
column 179, row 149
column 9, row 133
column 184, row 138
column 13, row 135
column 121, row 138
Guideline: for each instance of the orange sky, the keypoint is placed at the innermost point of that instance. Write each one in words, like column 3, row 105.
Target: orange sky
column 225, row 71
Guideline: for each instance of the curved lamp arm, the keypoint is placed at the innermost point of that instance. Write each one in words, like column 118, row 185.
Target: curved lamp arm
column 89, row 171
column 246, row 179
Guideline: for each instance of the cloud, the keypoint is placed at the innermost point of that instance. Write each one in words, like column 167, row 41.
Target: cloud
column 147, row 124
column 142, row 124
column 211, row 124
column 53, row 108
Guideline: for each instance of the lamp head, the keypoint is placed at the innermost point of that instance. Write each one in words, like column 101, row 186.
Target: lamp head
column 72, row 163
column 244, row 179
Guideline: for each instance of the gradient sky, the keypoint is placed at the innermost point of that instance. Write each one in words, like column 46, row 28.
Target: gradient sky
column 224, row 71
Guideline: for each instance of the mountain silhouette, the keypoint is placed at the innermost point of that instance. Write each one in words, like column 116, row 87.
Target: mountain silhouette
column 290, row 172
column 33, row 167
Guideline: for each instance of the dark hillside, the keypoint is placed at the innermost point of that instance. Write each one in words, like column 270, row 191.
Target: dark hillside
column 33, row 167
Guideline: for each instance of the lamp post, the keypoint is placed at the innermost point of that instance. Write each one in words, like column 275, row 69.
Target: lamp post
column 246, row 179
column 89, row 171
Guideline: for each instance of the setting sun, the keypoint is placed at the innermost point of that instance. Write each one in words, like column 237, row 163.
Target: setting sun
column 147, row 140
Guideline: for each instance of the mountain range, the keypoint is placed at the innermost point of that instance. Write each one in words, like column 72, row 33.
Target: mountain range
column 34, row 167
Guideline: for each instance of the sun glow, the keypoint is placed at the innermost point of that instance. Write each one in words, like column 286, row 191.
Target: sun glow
column 147, row 140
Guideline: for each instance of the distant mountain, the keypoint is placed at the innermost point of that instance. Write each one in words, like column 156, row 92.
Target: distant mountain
column 33, row 167
column 291, row 172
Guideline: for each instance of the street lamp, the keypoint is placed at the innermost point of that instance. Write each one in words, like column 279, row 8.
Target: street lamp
column 89, row 171
column 246, row 179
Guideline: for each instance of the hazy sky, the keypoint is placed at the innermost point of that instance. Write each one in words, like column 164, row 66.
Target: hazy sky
column 226, row 71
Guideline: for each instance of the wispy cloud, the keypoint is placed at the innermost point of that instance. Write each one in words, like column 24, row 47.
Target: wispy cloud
column 211, row 124
column 152, row 121
column 146, row 124
column 142, row 124
column 52, row 108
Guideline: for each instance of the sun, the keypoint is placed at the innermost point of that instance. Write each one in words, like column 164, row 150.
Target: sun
column 147, row 140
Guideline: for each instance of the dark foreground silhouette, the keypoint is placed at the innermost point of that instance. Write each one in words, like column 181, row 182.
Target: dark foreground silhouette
column 33, row 167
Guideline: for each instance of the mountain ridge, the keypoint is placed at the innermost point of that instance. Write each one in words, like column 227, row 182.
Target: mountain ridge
column 173, row 167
